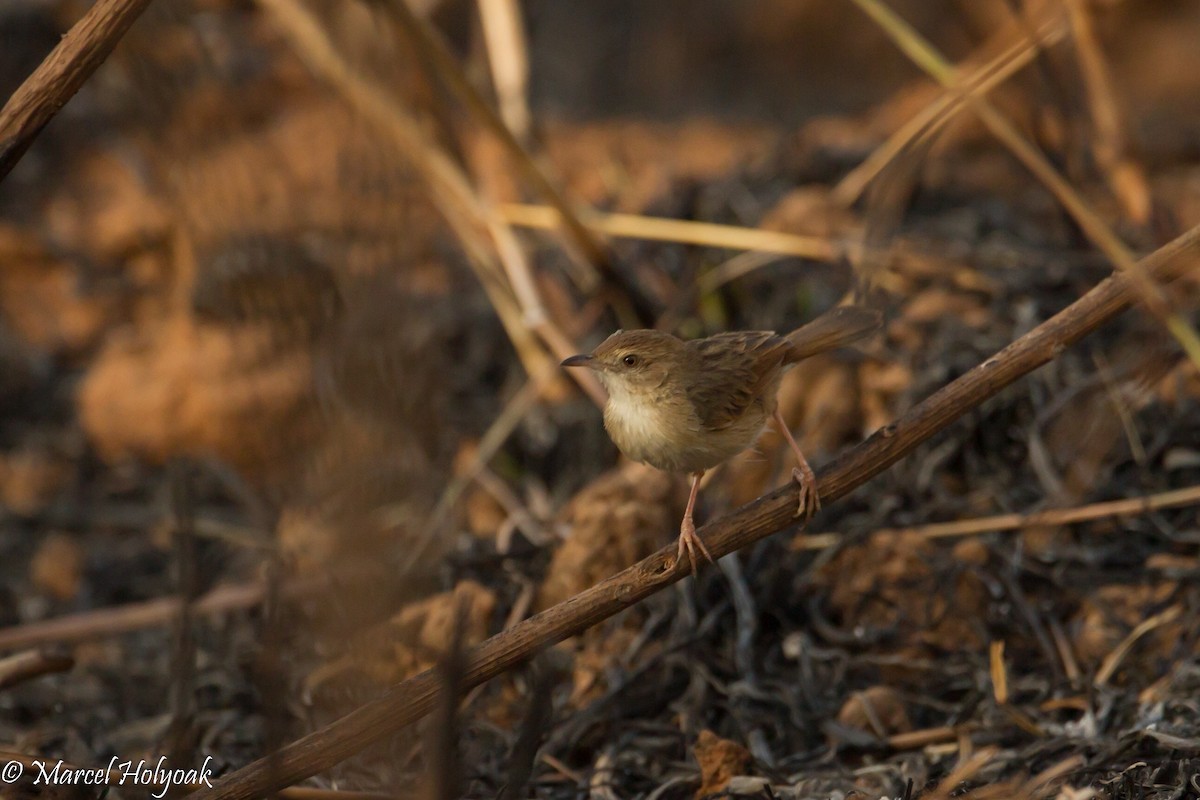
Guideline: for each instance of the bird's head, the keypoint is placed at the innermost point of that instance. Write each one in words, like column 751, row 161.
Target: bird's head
column 632, row 363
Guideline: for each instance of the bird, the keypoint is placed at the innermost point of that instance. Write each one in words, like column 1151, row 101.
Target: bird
column 687, row 406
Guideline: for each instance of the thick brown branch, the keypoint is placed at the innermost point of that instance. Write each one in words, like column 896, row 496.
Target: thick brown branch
column 414, row 698
column 56, row 79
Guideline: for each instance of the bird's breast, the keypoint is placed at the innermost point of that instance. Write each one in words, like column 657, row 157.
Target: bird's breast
column 666, row 433
column 637, row 428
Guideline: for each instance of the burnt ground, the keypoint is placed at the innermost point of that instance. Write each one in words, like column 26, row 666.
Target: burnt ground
column 245, row 360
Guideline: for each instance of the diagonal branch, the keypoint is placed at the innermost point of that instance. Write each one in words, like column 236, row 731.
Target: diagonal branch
column 58, row 78
column 409, row 701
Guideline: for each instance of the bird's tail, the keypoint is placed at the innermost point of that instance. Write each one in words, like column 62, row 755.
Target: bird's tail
column 836, row 328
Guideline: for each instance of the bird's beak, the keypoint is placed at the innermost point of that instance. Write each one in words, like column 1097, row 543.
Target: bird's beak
column 584, row 360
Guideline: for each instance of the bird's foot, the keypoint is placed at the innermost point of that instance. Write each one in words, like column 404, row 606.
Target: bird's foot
column 810, row 499
column 690, row 542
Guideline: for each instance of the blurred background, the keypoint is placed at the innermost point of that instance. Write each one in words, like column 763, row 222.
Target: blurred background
column 282, row 299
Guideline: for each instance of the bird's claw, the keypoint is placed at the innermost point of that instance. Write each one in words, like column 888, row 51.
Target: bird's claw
column 690, row 542
column 810, row 499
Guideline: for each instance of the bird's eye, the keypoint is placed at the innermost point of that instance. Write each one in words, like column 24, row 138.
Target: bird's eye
column 630, row 360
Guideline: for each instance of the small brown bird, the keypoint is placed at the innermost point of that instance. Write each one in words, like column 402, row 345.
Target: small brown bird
column 687, row 406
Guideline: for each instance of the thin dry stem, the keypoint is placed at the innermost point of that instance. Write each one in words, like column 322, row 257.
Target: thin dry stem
column 1110, row 147
column 913, row 740
column 508, row 55
column 708, row 234
column 520, row 277
column 1112, row 661
column 1013, row 522
column 132, row 617
column 28, row 664
column 965, row 770
column 1039, row 783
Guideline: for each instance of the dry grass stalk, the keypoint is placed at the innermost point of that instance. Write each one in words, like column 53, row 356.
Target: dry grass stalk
column 924, row 55
column 1066, row 654
column 914, row 740
column 1112, row 661
column 508, row 55
column 422, row 34
column 1013, row 522
column 999, row 672
column 946, row 107
column 472, row 220
column 1040, row 784
column 1110, row 147
column 707, row 234
column 970, row 766
column 965, row 770
column 532, row 731
column 520, row 276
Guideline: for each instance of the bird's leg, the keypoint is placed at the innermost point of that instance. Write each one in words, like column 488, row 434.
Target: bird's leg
column 810, row 500
column 689, row 540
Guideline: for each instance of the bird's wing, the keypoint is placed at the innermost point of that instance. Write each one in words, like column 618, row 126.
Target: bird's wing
column 731, row 371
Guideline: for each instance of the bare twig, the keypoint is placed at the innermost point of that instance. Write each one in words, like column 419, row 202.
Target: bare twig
column 158, row 613
column 1011, row 522
column 59, row 77
column 771, row 513
column 28, row 664
column 132, row 617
